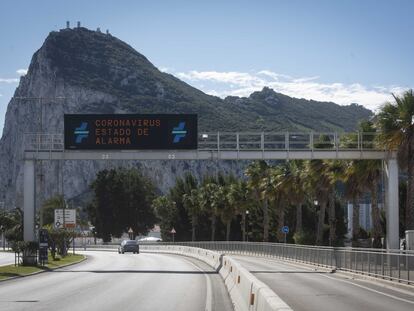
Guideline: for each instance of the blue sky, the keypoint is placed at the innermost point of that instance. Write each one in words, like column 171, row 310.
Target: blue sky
column 342, row 51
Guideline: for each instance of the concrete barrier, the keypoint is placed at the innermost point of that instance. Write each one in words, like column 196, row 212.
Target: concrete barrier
column 246, row 291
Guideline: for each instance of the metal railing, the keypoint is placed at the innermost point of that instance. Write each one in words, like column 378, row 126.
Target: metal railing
column 394, row 265
column 246, row 141
column 43, row 142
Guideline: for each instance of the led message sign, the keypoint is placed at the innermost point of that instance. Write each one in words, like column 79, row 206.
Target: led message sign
column 130, row 131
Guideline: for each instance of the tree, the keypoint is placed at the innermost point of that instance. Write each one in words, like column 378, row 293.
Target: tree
column 122, row 200
column 49, row 206
column 257, row 171
column 396, row 123
column 166, row 212
column 274, row 189
column 210, row 199
column 182, row 222
column 370, row 172
column 238, row 197
column 320, row 184
column 353, row 179
column 12, row 223
column 335, row 171
column 293, row 186
column 193, row 206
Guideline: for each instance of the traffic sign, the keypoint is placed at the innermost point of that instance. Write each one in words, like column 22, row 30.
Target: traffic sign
column 65, row 218
column 285, row 229
column 173, row 231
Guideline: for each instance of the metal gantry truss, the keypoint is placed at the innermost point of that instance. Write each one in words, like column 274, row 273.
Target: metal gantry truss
column 227, row 146
column 241, row 141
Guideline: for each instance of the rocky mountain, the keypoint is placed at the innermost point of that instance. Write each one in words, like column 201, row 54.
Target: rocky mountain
column 83, row 71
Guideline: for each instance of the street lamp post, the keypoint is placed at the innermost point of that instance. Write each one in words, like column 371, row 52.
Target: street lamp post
column 246, row 224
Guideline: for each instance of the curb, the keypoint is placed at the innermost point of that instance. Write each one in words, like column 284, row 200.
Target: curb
column 43, row 271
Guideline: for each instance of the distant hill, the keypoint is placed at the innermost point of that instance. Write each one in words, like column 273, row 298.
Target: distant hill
column 101, row 62
column 83, row 71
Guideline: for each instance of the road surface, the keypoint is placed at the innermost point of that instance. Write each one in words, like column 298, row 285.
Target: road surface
column 110, row 281
column 6, row 258
column 305, row 289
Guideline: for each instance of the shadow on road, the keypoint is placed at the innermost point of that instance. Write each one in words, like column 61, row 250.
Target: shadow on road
column 135, row 271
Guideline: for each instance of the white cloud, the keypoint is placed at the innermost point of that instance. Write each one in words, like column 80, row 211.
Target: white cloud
column 233, row 83
column 11, row 80
column 21, row 72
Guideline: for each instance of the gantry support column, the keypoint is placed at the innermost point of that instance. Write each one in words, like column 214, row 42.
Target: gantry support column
column 391, row 204
column 29, row 200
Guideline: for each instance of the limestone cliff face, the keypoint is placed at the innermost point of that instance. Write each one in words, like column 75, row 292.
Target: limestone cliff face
column 82, row 71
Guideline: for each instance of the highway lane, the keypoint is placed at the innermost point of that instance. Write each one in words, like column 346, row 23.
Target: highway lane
column 303, row 288
column 6, row 258
column 110, row 281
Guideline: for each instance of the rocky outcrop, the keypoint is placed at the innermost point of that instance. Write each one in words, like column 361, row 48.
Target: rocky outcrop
column 82, row 71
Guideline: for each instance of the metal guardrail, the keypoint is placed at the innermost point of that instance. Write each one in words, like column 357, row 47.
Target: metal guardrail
column 395, row 265
column 246, row 141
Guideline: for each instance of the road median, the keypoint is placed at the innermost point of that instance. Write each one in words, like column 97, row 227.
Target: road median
column 11, row 271
column 246, row 291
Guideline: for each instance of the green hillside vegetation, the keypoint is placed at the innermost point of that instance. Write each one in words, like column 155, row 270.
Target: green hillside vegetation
column 104, row 63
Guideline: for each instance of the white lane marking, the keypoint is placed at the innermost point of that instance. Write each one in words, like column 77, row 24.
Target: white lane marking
column 370, row 289
column 209, row 297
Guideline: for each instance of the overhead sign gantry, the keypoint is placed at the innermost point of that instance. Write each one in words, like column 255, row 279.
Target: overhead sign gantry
column 175, row 137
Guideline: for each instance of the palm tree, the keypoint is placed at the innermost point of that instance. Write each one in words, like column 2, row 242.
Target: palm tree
column 353, row 191
column 210, row 202
column 371, row 173
column 275, row 188
column 257, row 171
column 294, row 187
column 237, row 196
column 192, row 204
column 396, row 122
column 334, row 171
column 12, row 222
column 227, row 208
column 320, row 184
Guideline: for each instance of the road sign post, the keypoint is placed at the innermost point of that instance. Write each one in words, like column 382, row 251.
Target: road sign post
column 173, row 232
column 130, row 233
column 285, row 230
column 65, row 218
column 43, row 246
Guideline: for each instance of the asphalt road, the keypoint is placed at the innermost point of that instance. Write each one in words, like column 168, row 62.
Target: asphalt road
column 110, row 281
column 6, row 258
column 304, row 288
